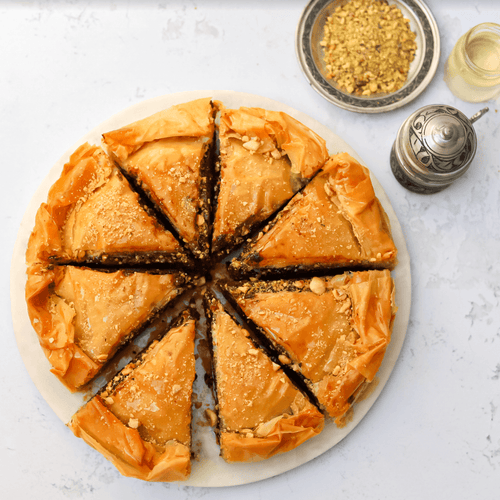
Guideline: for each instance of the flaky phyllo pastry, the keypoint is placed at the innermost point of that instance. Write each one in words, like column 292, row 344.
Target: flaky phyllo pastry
column 132, row 223
column 265, row 157
column 261, row 412
column 333, row 331
column 93, row 216
column 82, row 316
column 335, row 222
column 169, row 156
column 141, row 421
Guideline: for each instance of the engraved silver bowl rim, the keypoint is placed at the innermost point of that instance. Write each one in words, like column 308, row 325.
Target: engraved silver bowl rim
column 422, row 69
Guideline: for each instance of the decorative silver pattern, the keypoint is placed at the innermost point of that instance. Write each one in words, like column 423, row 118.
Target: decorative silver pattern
column 430, row 158
column 422, row 69
column 406, row 181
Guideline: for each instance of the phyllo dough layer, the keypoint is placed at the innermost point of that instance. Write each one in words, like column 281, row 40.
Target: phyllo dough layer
column 141, row 422
column 261, row 412
column 265, row 157
column 335, row 222
column 93, row 216
column 82, row 316
column 169, row 156
column 334, row 330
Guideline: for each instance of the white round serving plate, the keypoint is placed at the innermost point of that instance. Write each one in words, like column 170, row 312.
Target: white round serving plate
column 209, row 469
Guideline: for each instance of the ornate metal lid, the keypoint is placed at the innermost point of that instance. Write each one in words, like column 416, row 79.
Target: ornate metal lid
column 434, row 146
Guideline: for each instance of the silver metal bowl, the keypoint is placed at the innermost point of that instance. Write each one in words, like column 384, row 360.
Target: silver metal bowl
column 422, row 69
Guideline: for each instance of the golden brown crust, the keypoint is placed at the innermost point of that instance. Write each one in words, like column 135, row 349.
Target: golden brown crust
column 350, row 182
column 335, row 330
column 83, row 316
column 261, row 412
column 91, row 212
column 266, row 157
column 284, row 435
column 191, row 119
column 336, row 337
column 157, row 391
column 277, row 130
column 125, row 448
column 55, row 329
column 336, row 221
column 44, row 241
column 167, row 154
column 142, row 424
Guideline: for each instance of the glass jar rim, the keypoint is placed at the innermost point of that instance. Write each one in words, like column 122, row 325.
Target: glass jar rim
column 491, row 27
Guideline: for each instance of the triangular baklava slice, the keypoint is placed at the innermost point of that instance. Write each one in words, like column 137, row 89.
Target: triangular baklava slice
column 334, row 331
column 82, row 316
column 169, row 156
column 93, row 216
column 265, row 158
column 261, row 412
column 335, row 222
column 141, row 421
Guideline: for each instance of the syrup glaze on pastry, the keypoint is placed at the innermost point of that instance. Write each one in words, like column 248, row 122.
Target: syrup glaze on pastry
column 335, row 222
column 261, row 412
column 168, row 156
column 92, row 214
column 142, row 420
column 82, row 316
column 334, row 330
column 265, row 157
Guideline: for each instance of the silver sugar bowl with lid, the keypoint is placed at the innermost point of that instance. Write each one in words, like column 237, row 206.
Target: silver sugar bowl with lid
column 434, row 146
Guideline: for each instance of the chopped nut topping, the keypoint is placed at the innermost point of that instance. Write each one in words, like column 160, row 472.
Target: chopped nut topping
column 252, row 145
column 345, row 306
column 211, row 417
column 284, row 359
column 200, row 281
column 317, row 286
column 275, row 154
column 126, row 371
column 133, row 423
column 368, row 47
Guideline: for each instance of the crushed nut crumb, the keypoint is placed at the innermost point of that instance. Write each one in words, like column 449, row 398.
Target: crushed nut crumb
column 133, row 423
column 317, row 286
column 368, row 47
column 211, row 417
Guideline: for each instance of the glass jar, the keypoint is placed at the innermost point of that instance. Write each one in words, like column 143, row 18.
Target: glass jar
column 472, row 72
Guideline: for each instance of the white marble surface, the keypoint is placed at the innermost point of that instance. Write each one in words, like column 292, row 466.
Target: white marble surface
column 434, row 432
